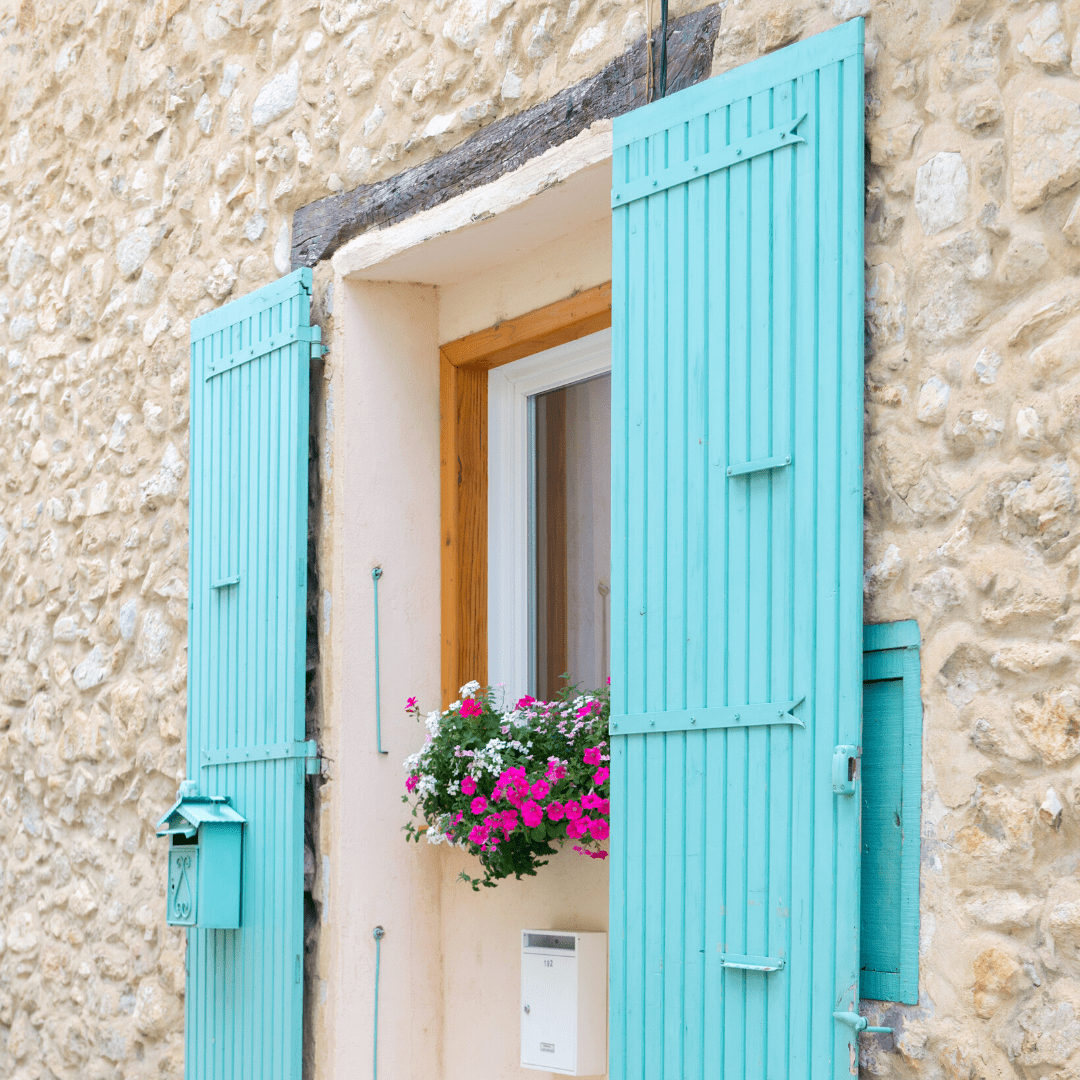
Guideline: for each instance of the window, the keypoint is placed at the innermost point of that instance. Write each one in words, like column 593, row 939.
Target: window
column 549, row 518
column 891, row 792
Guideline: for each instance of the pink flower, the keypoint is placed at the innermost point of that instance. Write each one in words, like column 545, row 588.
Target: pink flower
column 573, row 810
column 540, row 789
column 555, row 770
column 590, row 853
column 410, row 704
column 478, row 805
column 468, row 786
column 599, row 829
column 591, row 801
column 525, row 702
column 531, row 814
column 479, row 834
column 471, row 707
column 588, row 709
column 577, row 829
column 592, row 755
column 509, row 822
column 555, row 811
column 410, row 784
column 605, row 806
column 601, row 775
column 458, row 817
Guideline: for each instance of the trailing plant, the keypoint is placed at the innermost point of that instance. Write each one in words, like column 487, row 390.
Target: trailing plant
column 509, row 784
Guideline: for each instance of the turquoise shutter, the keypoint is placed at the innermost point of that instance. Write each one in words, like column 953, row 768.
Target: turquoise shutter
column 891, row 801
column 246, row 640
column 737, row 565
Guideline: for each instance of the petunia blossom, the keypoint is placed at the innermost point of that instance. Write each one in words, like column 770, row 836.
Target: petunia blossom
column 591, row 801
column 531, row 814
column 472, row 707
column 468, row 786
column 479, row 834
column 410, row 784
column 478, row 805
column 601, row 775
column 573, row 810
column 599, row 829
column 540, row 789
column 576, row 829
column 525, row 702
column 555, row 810
column 592, row 755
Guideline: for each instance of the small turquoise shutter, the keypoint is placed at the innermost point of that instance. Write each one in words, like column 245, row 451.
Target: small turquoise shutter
column 891, row 800
column 246, row 640
column 737, row 566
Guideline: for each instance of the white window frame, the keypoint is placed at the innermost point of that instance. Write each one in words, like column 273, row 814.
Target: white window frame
column 509, row 437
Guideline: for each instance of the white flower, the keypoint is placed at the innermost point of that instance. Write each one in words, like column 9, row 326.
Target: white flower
column 452, row 787
column 432, row 722
column 469, row 689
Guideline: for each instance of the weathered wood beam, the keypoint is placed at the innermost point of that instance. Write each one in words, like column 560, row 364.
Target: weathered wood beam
column 321, row 227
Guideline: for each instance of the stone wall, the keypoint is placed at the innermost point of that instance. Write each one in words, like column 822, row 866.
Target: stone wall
column 152, row 157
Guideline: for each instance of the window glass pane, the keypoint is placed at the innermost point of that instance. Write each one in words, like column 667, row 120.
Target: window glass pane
column 571, row 524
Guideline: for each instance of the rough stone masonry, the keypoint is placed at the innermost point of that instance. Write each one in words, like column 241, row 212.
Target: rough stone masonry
column 153, row 155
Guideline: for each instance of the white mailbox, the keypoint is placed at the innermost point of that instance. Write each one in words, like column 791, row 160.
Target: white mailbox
column 564, row 1002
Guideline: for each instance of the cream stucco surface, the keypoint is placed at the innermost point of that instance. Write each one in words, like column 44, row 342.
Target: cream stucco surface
column 449, row 993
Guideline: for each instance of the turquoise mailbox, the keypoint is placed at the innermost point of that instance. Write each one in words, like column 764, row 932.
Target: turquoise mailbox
column 204, row 834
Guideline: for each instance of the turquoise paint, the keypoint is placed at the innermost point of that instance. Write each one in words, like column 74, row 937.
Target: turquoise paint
column 737, row 338
column 249, row 457
column 891, row 798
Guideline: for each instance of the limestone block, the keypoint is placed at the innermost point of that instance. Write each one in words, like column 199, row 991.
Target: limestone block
column 884, row 572
column 1022, row 261
column 1071, row 229
column 1050, row 811
column 277, row 97
column 157, row 1011
column 1027, row 656
column 1004, row 910
column 940, row 590
column 941, row 192
column 1044, row 1034
column 1044, row 43
column 1046, row 147
column 1029, row 426
column 93, row 669
column 996, row 977
column 933, row 401
column 977, row 429
column 1050, row 722
column 980, row 107
column 1058, row 356
column 133, row 249
column 885, row 308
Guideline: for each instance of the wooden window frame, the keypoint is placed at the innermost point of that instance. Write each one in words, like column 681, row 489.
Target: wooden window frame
column 463, row 474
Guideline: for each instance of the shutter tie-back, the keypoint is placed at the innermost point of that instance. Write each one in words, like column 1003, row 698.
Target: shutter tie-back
column 378, row 934
column 376, row 573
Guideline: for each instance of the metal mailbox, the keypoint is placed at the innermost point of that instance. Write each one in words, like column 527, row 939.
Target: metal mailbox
column 205, row 843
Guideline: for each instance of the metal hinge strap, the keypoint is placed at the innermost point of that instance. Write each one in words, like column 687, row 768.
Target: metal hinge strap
column 722, row 158
column 726, row 716
column 241, row 755
column 310, row 335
